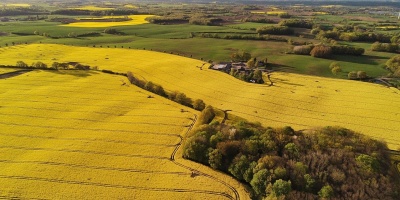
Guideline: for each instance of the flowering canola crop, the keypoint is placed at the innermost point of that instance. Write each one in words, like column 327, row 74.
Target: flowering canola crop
column 300, row 101
column 90, row 135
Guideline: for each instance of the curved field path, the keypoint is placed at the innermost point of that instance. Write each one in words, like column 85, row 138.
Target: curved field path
column 300, row 101
column 84, row 135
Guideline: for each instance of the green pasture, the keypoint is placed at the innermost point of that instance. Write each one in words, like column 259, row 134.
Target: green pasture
column 177, row 39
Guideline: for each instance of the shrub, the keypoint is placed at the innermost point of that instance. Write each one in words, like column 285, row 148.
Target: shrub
column 21, row 64
column 207, row 115
column 336, row 70
column 198, row 104
column 158, row 89
column 281, row 187
column 303, row 50
column 393, row 64
column 39, row 64
column 149, row 86
column 333, row 65
column 181, row 98
column 326, row 192
column 352, row 75
column 321, row 51
column 362, row 75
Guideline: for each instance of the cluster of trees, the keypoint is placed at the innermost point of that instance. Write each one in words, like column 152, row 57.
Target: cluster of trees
column 281, row 163
column 352, row 36
column 259, row 20
column 353, row 75
column 240, row 56
column 54, row 65
column 252, row 77
column 323, row 51
column 112, row 31
column 347, row 50
column 386, row 47
column 176, row 96
column 335, row 68
column 284, row 15
column 244, row 37
column 164, row 20
column 204, row 20
column 296, row 23
column 14, row 11
column 393, row 65
column 124, row 11
column 275, row 30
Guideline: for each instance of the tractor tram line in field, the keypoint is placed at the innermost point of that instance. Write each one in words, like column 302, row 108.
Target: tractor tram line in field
column 282, row 113
column 31, row 132
column 62, row 181
column 222, row 89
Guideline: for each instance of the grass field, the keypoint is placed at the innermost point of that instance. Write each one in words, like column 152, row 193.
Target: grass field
column 135, row 20
column 88, row 135
column 300, row 101
column 177, row 39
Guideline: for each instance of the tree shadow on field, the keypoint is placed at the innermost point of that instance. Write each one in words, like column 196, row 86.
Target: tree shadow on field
column 280, row 67
column 77, row 73
column 365, row 59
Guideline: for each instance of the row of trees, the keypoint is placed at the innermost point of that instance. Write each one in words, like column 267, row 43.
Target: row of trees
column 243, row 37
column 54, row 65
column 204, row 20
column 165, row 20
column 281, row 163
column 324, row 51
column 112, row 12
column 275, row 30
column 385, row 47
column 296, row 23
column 176, row 96
column 352, row 36
column 259, row 20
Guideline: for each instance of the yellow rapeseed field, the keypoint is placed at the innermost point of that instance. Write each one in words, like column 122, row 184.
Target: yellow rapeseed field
column 320, row 13
column 103, row 17
column 258, row 12
column 18, row 5
column 276, row 12
column 300, row 101
column 90, row 135
column 92, row 8
column 136, row 20
column 130, row 6
column 269, row 12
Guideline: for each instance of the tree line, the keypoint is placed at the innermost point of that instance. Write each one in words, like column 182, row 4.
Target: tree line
column 242, row 37
column 176, row 96
column 280, row 163
column 337, row 34
column 55, row 65
column 325, row 51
